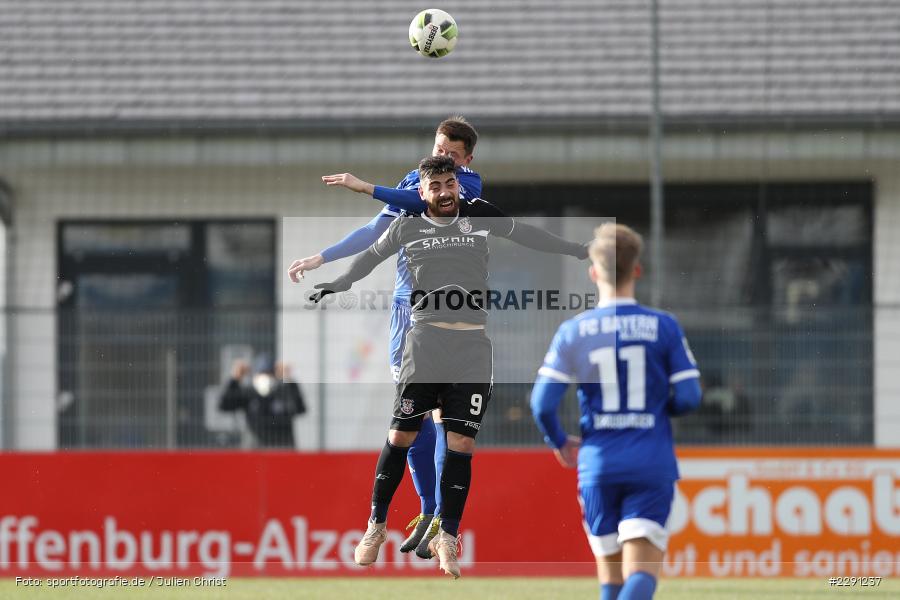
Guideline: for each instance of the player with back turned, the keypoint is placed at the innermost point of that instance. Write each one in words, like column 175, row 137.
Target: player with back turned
column 634, row 370
column 447, row 358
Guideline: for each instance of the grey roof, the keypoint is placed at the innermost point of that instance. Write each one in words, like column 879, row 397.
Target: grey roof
column 275, row 64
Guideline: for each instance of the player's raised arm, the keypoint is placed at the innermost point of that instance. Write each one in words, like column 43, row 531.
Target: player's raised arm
column 544, row 241
column 387, row 245
column 349, row 181
column 406, row 199
column 358, row 240
column 353, row 243
column 530, row 236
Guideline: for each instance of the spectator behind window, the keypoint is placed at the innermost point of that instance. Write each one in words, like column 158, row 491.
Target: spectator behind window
column 269, row 398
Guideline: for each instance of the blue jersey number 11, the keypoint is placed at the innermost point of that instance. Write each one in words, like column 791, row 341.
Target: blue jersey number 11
column 634, row 357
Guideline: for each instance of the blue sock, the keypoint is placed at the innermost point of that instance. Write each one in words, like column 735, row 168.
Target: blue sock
column 440, row 453
column 421, row 466
column 610, row 591
column 638, row 586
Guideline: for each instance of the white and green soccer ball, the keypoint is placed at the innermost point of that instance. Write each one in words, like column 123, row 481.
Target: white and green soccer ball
column 432, row 33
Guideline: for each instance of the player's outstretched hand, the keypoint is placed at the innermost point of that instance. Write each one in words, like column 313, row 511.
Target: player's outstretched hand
column 326, row 289
column 295, row 271
column 349, row 181
column 568, row 454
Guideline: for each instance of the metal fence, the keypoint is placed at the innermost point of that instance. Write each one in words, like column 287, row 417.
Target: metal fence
column 153, row 379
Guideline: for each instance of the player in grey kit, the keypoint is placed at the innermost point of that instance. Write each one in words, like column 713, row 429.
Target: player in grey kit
column 447, row 360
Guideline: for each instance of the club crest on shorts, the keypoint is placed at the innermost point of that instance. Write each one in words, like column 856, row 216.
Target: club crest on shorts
column 406, row 406
column 465, row 225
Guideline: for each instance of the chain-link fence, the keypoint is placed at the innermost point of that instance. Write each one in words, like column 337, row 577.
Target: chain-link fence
column 155, row 379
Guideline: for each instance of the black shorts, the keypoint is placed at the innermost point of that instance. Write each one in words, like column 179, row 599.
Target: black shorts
column 448, row 369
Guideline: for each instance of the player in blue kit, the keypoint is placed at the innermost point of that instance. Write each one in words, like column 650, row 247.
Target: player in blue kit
column 634, row 370
column 454, row 138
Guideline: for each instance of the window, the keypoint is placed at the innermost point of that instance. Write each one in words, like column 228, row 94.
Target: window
column 773, row 285
column 146, row 312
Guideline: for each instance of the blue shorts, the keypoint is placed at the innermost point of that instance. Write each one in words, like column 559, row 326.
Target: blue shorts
column 400, row 324
column 617, row 512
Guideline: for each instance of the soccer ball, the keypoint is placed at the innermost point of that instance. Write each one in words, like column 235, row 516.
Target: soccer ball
column 432, row 33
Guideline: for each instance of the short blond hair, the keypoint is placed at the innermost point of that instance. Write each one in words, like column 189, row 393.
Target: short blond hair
column 615, row 251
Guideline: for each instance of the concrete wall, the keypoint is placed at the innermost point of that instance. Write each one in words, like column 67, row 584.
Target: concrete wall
column 887, row 312
column 280, row 178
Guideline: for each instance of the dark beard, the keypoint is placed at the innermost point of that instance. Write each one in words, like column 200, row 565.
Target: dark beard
column 436, row 210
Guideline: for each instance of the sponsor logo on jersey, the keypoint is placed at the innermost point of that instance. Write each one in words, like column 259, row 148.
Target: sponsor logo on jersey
column 438, row 242
column 429, row 230
column 465, row 225
column 473, row 425
column 406, row 406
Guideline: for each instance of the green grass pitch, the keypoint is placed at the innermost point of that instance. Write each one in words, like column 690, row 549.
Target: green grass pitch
column 473, row 588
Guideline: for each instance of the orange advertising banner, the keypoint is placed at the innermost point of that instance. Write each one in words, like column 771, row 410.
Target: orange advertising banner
column 766, row 512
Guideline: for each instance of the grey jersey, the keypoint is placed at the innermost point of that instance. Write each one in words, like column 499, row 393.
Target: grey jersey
column 448, row 261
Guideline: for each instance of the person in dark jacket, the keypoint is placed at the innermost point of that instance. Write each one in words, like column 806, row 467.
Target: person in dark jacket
column 270, row 399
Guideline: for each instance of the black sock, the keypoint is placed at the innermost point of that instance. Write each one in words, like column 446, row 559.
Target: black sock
column 388, row 474
column 455, row 481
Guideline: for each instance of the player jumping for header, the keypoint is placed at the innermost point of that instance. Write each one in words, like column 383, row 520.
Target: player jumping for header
column 447, row 358
column 455, row 137
column 634, row 370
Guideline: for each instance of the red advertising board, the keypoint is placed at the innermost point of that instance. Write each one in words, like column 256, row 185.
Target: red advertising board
column 749, row 512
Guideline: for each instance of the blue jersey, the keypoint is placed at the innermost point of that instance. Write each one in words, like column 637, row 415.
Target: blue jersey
column 625, row 358
column 469, row 189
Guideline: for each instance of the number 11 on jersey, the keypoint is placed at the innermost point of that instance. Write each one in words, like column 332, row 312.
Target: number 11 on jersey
column 634, row 358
